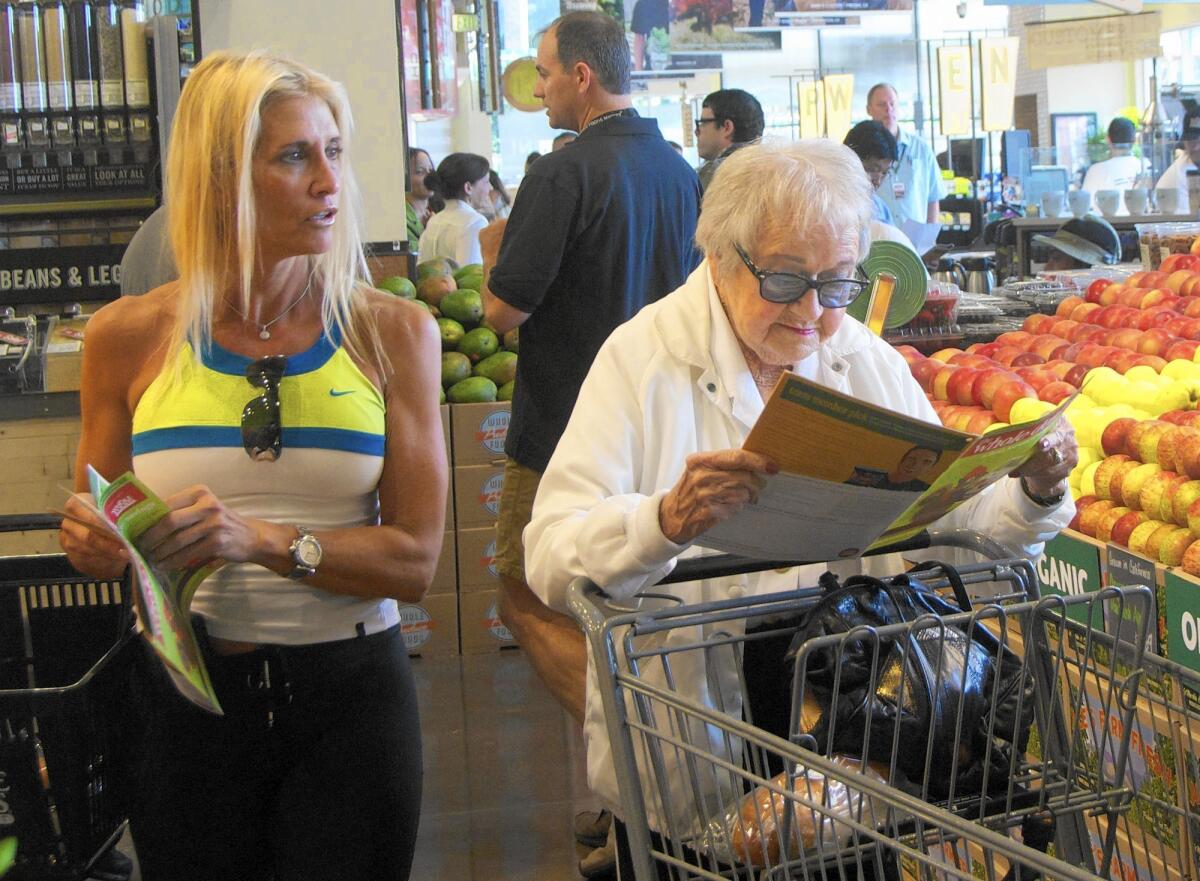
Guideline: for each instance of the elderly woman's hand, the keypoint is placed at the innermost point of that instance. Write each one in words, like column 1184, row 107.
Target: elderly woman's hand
column 713, row 488
column 1046, row 471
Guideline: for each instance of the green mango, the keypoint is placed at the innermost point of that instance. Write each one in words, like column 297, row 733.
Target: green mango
column 452, row 333
column 478, row 344
column 465, row 307
column 455, row 368
column 500, row 367
column 398, row 285
column 505, row 392
column 476, row 390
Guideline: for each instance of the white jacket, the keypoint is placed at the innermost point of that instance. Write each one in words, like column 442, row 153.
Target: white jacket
column 668, row 383
column 454, row 233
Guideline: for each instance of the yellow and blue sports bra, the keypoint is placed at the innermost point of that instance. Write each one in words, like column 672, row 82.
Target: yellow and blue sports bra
column 326, row 477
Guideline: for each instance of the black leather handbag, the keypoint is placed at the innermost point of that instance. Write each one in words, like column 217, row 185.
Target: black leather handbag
column 962, row 701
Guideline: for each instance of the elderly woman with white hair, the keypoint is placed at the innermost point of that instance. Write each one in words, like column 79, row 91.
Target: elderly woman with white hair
column 652, row 458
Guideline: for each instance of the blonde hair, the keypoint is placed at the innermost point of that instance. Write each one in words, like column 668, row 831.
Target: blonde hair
column 211, row 210
column 786, row 189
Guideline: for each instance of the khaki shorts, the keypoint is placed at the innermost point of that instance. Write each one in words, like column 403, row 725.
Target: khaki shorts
column 516, row 510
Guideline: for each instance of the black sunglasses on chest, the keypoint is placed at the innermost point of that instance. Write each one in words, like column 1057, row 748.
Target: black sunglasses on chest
column 788, row 287
column 261, row 431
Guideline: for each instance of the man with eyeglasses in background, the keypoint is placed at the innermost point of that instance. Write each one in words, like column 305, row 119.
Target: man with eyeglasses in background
column 913, row 190
column 729, row 119
column 878, row 152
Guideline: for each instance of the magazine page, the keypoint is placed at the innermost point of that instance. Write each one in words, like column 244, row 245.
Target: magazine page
column 851, row 472
column 130, row 508
column 988, row 458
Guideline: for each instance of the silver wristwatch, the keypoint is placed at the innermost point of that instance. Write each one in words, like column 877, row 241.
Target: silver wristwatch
column 306, row 554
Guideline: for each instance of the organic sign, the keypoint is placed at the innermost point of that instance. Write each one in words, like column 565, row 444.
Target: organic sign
column 1069, row 567
column 1093, row 40
column 998, row 78
column 954, row 89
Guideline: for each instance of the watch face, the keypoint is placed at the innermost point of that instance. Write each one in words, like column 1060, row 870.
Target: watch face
column 308, row 551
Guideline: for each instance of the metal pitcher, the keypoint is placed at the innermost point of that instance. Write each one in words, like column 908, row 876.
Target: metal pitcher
column 950, row 271
column 981, row 277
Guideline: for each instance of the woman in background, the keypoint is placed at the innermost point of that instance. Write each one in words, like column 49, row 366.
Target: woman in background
column 216, row 390
column 500, row 203
column 463, row 180
column 417, row 207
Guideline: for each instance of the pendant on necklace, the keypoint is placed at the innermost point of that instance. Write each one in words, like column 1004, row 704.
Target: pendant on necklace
column 264, row 334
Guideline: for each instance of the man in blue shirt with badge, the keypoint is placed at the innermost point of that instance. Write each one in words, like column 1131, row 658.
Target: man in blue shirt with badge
column 913, row 191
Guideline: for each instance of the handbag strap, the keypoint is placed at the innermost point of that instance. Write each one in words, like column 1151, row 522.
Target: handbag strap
column 956, row 582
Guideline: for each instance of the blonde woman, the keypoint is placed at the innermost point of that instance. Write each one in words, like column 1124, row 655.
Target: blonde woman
column 258, row 395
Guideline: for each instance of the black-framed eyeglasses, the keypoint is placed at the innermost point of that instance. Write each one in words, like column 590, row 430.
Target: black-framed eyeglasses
column 261, row 430
column 788, row 287
column 702, row 121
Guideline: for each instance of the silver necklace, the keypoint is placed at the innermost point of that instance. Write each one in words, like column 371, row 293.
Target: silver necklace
column 264, row 332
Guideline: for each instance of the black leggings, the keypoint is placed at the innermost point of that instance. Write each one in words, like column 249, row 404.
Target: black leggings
column 313, row 773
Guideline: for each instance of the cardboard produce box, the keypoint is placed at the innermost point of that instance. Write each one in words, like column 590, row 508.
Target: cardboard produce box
column 430, row 627
column 478, row 432
column 445, row 577
column 477, row 560
column 477, row 494
column 1123, row 567
column 480, row 628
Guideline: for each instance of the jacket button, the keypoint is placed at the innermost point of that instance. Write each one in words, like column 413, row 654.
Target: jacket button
column 712, row 386
column 737, row 589
column 838, row 366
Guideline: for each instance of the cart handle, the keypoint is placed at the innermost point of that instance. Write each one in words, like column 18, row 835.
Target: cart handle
column 724, row 565
column 29, row 522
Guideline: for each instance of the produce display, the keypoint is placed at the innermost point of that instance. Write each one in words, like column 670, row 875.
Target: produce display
column 478, row 365
column 1130, row 350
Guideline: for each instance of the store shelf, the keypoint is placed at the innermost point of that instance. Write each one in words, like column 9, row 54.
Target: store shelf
column 67, row 205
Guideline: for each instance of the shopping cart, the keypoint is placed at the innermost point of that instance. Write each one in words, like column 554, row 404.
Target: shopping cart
column 709, row 794
column 65, row 655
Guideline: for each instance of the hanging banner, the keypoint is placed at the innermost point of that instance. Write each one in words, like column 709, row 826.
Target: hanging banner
column 810, row 98
column 1093, row 40
column 839, row 98
column 954, row 89
column 998, row 79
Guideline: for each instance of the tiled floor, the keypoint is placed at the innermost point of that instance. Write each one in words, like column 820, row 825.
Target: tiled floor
column 504, row 774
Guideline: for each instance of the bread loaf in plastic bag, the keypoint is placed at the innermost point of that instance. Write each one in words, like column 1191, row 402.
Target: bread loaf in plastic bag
column 752, row 831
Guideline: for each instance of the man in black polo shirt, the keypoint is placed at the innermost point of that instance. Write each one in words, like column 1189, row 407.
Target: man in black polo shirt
column 596, row 232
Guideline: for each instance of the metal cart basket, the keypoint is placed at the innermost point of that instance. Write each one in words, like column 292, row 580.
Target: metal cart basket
column 65, row 655
column 708, row 793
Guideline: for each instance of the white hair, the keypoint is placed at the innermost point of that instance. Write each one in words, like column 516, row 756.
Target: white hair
column 792, row 190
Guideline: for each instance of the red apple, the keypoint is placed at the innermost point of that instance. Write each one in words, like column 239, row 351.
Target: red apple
column 1036, row 376
column 1056, row 392
column 945, row 355
column 1154, row 542
column 1076, row 375
column 1154, row 341
column 1081, row 312
column 1177, row 277
column 1147, row 439
column 991, row 380
column 1034, row 324
column 1113, row 438
column 1104, row 526
column 1116, row 484
column 1174, row 545
column 1008, row 394
column 1092, row 514
column 958, row 385
column 979, row 421
column 1191, row 559
column 924, row 372
column 1119, row 534
column 1154, row 493
column 1153, row 297
column 1182, row 499
column 1094, row 290
column 1170, row 493
column 1152, row 361
column 1124, row 338
column 1120, row 360
column 940, row 380
column 1110, row 294
column 1187, row 455
column 1017, row 338
column 1066, row 305
column 1184, row 350
column 1026, row 359
column 1104, row 474
column 1141, row 535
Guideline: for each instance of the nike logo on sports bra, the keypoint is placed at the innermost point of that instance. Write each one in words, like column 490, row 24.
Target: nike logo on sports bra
column 334, row 393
